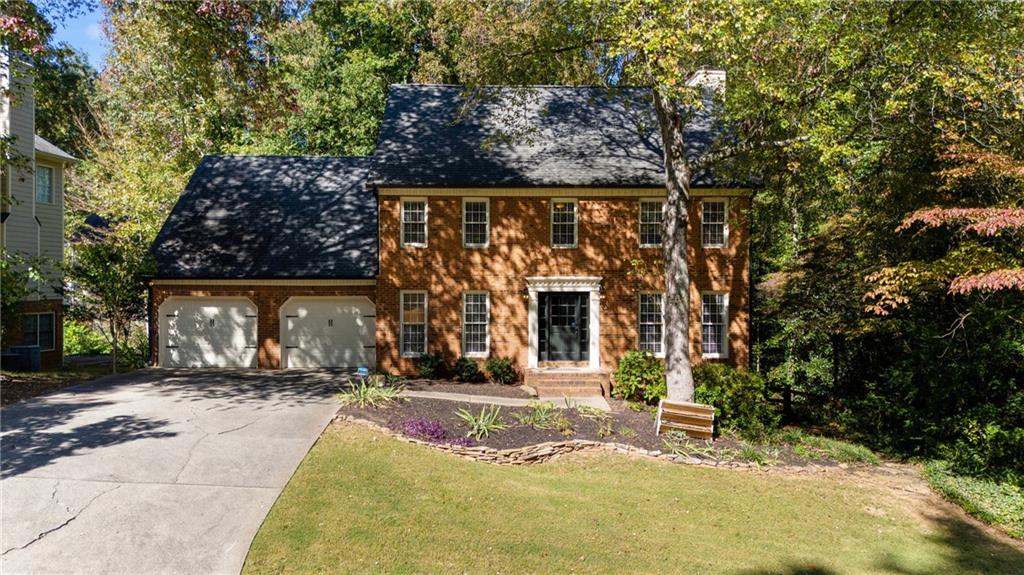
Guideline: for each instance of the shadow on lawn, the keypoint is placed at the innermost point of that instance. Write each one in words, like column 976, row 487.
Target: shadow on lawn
column 965, row 549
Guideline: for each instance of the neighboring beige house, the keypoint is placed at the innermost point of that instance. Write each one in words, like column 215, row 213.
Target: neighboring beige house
column 32, row 212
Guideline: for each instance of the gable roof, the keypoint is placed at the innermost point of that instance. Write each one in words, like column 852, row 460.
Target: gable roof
column 272, row 217
column 529, row 136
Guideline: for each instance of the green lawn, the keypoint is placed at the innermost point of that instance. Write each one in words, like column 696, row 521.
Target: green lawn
column 363, row 502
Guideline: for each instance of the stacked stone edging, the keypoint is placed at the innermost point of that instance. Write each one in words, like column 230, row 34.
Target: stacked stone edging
column 551, row 450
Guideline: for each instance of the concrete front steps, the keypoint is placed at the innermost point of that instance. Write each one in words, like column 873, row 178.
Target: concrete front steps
column 568, row 382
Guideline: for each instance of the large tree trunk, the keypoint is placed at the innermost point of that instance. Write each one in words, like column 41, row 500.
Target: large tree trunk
column 677, row 273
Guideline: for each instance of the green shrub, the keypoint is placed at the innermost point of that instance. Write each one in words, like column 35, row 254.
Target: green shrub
column 540, row 415
column 818, row 447
column 501, row 370
column 1001, row 504
column 466, row 369
column 640, row 377
column 739, row 397
column 990, row 444
column 431, row 366
column 81, row 338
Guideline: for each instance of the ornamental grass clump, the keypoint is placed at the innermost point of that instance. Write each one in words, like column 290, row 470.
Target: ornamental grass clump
column 369, row 392
column 480, row 426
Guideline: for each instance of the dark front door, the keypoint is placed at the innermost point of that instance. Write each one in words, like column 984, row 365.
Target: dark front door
column 563, row 327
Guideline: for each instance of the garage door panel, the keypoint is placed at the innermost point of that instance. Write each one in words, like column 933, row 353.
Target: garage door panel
column 329, row 333
column 209, row 332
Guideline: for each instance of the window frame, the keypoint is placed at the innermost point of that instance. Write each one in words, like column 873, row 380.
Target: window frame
column 640, row 222
column 575, row 223
column 724, row 353
column 401, row 222
column 487, row 324
column 725, row 223
column 53, row 329
column 402, row 323
column 639, row 322
column 487, row 222
column 35, row 184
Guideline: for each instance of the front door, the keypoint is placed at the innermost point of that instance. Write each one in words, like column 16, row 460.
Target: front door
column 563, row 326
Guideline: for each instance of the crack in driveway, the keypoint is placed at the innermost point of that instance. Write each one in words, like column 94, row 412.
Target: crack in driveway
column 64, row 524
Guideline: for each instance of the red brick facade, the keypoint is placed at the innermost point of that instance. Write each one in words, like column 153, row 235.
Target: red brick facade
column 608, row 247
column 51, row 359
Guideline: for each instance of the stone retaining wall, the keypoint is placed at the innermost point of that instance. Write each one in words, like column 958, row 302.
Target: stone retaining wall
column 551, row 450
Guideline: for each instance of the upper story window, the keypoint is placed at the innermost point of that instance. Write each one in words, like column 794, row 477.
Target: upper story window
column 476, row 222
column 414, row 222
column 651, row 214
column 714, row 320
column 714, row 231
column 651, row 323
column 414, row 323
column 564, row 218
column 475, row 320
column 44, row 184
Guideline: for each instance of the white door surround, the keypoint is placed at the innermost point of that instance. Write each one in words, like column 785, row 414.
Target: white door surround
column 592, row 285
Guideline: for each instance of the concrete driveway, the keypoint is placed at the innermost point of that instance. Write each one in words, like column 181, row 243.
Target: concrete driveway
column 157, row 471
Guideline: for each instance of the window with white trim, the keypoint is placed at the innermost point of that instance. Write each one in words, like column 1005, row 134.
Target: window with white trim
column 44, row 184
column 414, row 323
column 414, row 222
column 714, row 232
column 476, row 308
column 564, row 218
column 652, row 320
column 651, row 214
column 714, row 324
column 476, row 222
column 37, row 329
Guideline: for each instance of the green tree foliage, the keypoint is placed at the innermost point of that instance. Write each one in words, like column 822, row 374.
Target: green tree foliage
column 65, row 87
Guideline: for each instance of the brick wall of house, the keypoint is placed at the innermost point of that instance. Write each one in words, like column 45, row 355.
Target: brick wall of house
column 54, row 358
column 268, row 300
column 520, row 247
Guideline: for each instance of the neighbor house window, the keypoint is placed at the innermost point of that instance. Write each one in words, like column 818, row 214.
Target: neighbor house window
column 414, row 323
column 475, row 319
column 563, row 223
column 414, row 222
column 713, row 324
column 651, row 323
column 44, row 185
column 714, row 232
column 475, row 223
column 651, row 214
column 37, row 329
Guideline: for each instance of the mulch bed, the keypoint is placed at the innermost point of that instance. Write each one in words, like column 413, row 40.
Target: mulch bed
column 482, row 388
column 627, row 426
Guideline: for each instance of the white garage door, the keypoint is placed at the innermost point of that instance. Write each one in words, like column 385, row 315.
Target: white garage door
column 207, row 332
column 328, row 332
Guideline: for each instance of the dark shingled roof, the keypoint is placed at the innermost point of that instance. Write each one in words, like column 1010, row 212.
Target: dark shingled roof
column 529, row 136
column 272, row 217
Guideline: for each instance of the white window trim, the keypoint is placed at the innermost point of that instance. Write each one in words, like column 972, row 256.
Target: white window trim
column 487, row 340
column 725, row 224
column 54, row 323
column 401, row 222
column 35, row 190
column 487, row 242
column 576, row 223
column 725, row 332
column 401, row 321
column 640, row 222
column 639, row 307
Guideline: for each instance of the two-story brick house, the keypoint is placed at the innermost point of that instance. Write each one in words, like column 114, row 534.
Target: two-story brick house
column 32, row 213
column 526, row 226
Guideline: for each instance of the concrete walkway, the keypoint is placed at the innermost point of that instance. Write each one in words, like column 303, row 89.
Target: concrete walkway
column 157, row 471
column 561, row 402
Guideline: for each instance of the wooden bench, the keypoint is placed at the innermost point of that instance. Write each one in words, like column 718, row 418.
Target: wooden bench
column 693, row 419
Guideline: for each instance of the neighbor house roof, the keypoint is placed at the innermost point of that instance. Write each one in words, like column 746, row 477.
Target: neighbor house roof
column 432, row 135
column 45, row 147
column 272, row 217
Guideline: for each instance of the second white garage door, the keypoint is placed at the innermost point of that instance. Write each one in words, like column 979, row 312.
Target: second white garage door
column 328, row 332
column 207, row 332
